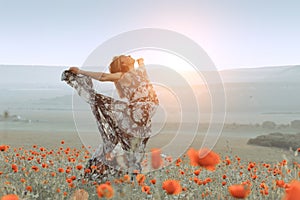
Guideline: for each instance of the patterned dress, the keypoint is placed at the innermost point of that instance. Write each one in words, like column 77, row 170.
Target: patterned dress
column 125, row 126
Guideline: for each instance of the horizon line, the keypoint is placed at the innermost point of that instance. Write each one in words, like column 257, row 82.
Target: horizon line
column 233, row 68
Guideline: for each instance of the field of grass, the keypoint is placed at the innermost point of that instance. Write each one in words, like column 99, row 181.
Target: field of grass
column 41, row 173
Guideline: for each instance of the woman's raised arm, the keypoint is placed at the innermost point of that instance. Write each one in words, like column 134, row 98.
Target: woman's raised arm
column 100, row 76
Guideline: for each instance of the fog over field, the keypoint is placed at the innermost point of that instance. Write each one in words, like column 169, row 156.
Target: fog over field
column 253, row 96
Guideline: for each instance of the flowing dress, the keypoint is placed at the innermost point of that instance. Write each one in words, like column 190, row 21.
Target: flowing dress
column 125, row 126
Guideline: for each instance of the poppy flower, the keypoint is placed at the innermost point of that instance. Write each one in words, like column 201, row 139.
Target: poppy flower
column 204, row 158
column 35, row 168
column 3, row 148
column 126, row 178
column 156, row 159
column 140, row 178
column 10, row 197
column 239, row 191
column 280, row 183
column 29, row 188
column 79, row 167
column 197, row 172
column 14, row 167
column 61, row 170
column 146, row 189
column 105, row 190
column 172, row 187
column 292, row 191
column 44, row 165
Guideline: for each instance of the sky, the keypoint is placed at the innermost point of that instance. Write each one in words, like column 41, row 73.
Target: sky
column 234, row 33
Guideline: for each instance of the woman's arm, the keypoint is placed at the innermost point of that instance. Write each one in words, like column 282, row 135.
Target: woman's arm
column 100, row 76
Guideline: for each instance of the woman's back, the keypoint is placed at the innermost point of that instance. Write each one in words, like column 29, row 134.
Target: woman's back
column 135, row 86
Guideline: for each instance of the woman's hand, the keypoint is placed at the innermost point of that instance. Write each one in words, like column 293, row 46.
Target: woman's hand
column 75, row 70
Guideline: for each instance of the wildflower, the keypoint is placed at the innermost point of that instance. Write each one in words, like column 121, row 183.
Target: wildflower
column 204, row 158
column 53, row 174
column 105, row 190
column 172, row 187
column 14, row 167
column 146, row 189
column 69, row 180
column 79, row 167
column 140, row 178
column 23, row 180
column 156, row 159
column 3, row 148
column 292, row 190
column 61, row 170
column 44, row 165
column 208, row 180
column 239, row 191
column 153, row 181
column 280, row 183
column 126, row 178
column 29, row 188
column 62, row 142
column 10, row 197
column 227, row 160
column 197, row 172
column 35, row 168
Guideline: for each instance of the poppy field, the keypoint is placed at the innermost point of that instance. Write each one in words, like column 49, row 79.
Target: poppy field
column 41, row 173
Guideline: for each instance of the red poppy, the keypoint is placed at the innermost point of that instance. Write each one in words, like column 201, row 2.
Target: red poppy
column 105, row 190
column 204, row 158
column 172, row 187
column 292, row 191
column 156, row 159
column 29, row 188
column 240, row 191
column 14, row 167
column 3, row 148
column 10, row 197
column 146, row 189
column 79, row 167
column 197, row 172
column 140, row 178
column 61, row 170
column 35, row 168
column 280, row 183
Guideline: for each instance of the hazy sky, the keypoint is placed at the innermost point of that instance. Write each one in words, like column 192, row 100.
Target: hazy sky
column 234, row 33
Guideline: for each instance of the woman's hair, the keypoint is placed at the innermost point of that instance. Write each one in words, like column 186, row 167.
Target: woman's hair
column 115, row 65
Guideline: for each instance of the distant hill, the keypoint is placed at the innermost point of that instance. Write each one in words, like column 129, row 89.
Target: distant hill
column 265, row 91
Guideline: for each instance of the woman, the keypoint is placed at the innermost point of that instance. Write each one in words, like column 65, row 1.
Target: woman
column 126, row 124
